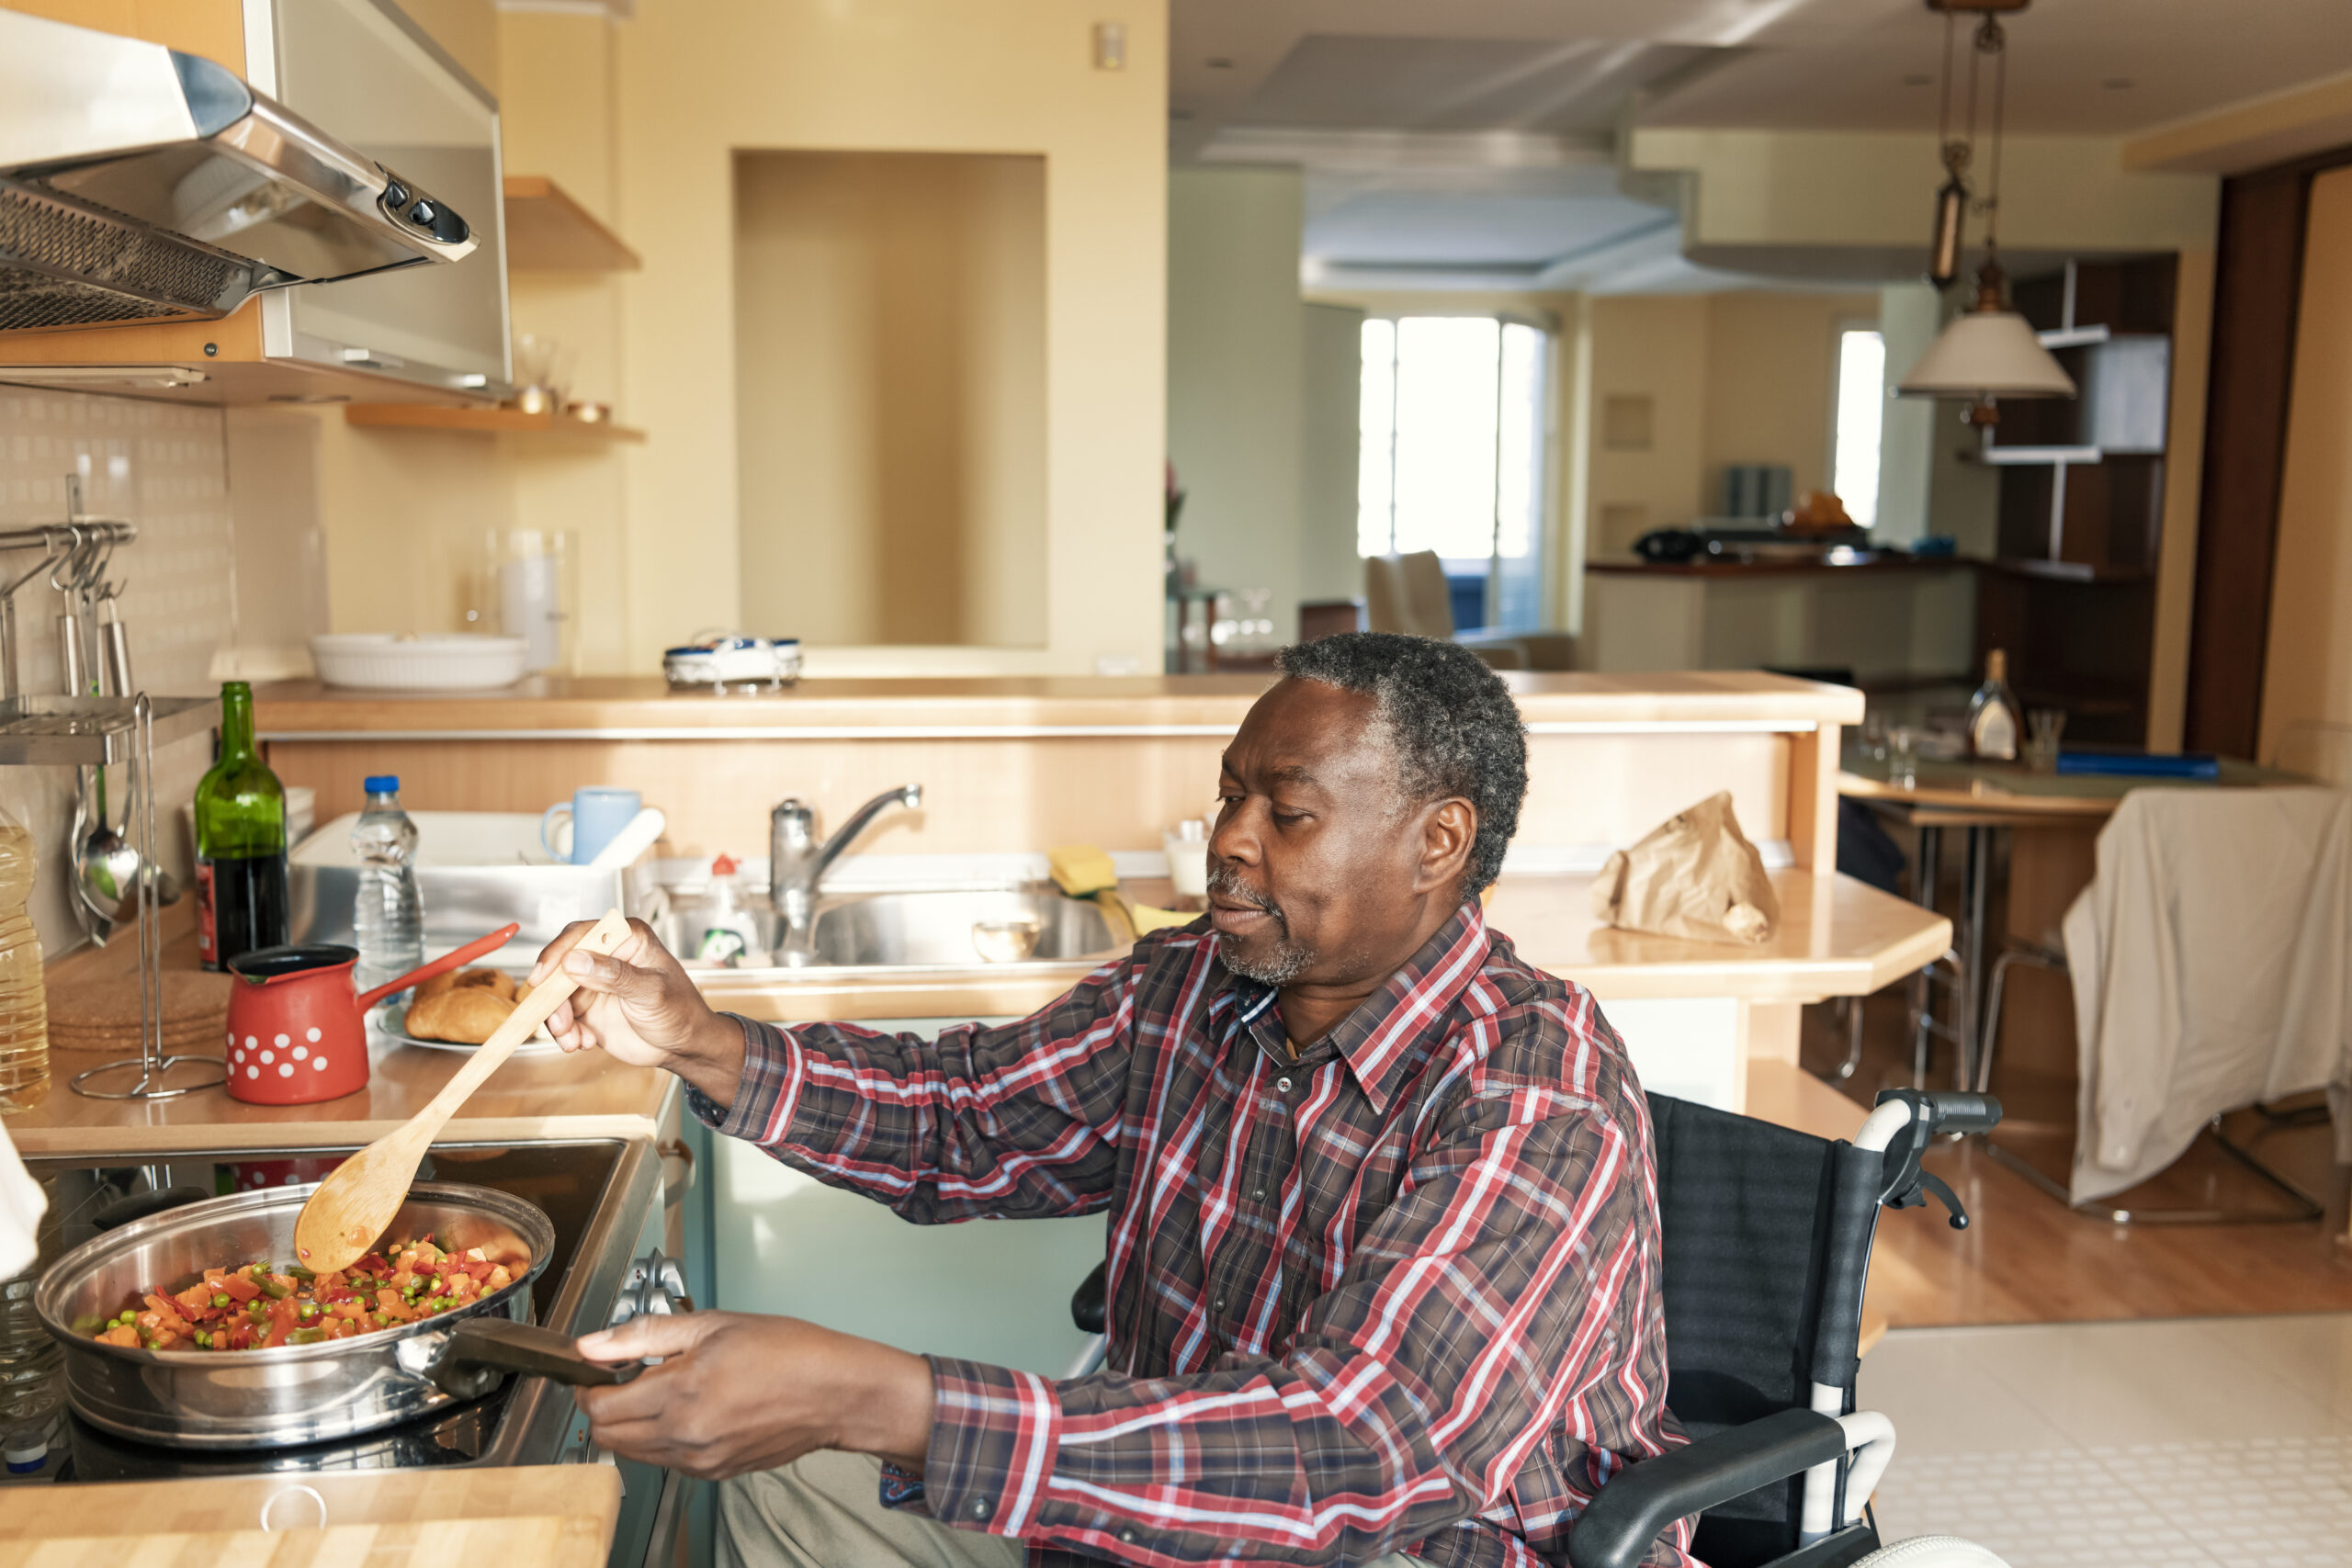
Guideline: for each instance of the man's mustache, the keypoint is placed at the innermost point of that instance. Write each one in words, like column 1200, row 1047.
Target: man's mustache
column 1225, row 880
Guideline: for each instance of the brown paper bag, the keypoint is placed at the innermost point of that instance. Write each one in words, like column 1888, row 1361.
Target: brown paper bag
column 1694, row 875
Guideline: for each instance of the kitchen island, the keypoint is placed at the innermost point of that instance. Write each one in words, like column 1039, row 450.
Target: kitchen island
column 1019, row 765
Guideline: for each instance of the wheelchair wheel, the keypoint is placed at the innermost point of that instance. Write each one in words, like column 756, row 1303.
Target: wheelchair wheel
column 1932, row 1551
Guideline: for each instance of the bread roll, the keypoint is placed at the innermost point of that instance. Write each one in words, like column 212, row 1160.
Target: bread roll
column 494, row 981
column 463, row 1015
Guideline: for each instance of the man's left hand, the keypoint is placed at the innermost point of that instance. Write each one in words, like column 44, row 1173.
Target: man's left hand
column 737, row 1393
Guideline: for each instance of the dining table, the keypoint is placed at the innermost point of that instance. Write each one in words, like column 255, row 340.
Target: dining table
column 1987, row 801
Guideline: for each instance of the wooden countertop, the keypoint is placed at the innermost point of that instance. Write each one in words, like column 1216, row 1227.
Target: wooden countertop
column 645, row 707
column 549, row 1516
column 1845, row 940
column 1841, row 939
column 1876, row 563
column 534, row 1095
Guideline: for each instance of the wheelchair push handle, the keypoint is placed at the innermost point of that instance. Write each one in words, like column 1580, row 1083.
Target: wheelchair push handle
column 1956, row 1112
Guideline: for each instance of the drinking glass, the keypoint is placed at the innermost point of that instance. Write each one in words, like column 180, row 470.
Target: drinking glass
column 1901, row 758
column 2043, row 726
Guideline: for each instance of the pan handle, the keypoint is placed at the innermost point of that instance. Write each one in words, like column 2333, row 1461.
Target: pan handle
column 448, row 960
column 479, row 1349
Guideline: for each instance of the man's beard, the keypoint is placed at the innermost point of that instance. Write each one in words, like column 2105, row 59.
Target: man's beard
column 1288, row 959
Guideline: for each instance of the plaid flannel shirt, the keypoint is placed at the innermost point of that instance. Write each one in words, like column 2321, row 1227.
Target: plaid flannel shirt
column 1400, row 1294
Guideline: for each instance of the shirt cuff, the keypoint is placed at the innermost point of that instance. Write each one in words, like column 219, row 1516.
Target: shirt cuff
column 994, row 1439
column 769, row 1092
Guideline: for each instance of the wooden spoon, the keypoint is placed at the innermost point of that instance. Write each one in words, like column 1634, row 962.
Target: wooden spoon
column 361, row 1197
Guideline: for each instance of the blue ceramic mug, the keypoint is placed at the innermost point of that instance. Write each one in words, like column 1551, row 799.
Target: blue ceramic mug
column 592, row 819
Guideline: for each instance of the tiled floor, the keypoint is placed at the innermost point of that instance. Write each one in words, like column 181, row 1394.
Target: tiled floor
column 2190, row 1442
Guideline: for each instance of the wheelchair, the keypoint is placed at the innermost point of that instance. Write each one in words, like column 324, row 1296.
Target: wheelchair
column 1766, row 1234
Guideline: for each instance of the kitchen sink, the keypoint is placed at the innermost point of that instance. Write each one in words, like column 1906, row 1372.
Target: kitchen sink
column 931, row 929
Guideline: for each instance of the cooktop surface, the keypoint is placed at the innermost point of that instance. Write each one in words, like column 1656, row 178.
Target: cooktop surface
column 90, row 1194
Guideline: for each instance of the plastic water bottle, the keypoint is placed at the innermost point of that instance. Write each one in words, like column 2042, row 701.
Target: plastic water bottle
column 388, row 920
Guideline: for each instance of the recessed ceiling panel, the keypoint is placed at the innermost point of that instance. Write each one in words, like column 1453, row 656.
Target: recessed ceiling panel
column 1562, row 86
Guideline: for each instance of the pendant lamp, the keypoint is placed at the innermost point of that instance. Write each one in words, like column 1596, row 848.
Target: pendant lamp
column 1989, row 351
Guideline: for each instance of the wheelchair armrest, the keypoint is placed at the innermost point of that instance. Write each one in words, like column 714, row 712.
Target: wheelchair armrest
column 1641, row 1500
column 1087, row 1307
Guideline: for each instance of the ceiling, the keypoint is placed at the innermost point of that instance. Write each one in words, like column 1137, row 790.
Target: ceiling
column 1469, row 144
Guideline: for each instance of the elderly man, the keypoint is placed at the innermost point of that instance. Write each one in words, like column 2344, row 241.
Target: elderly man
column 1384, row 1257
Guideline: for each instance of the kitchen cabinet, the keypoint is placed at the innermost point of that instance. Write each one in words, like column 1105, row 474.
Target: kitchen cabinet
column 367, row 75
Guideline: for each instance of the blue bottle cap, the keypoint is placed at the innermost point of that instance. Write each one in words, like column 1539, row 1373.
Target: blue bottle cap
column 383, row 784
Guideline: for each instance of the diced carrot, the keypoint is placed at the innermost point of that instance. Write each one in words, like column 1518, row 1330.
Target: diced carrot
column 238, row 1287
column 389, row 1302
column 124, row 1335
column 196, row 1298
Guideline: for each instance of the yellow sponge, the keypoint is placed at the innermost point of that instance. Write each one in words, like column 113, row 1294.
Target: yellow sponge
column 1083, row 870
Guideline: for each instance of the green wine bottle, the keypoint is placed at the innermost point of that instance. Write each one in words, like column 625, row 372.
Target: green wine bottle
column 240, row 897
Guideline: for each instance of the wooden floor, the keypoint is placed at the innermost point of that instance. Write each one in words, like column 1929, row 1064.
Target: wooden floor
column 2027, row 1258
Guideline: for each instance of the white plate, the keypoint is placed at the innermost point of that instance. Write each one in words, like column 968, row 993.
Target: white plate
column 388, row 1022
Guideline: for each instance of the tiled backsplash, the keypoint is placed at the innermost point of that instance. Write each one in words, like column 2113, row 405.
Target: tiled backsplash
column 164, row 468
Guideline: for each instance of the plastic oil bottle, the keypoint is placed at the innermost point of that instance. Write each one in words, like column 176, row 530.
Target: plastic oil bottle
column 24, row 1003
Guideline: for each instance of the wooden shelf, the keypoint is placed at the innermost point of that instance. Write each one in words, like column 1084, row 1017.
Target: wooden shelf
column 548, row 230
column 487, row 422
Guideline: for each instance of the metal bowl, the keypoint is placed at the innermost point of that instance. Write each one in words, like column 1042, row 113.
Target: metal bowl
column 293, row 1394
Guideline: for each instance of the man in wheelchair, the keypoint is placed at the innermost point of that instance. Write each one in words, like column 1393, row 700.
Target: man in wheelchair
column 1384, row 1263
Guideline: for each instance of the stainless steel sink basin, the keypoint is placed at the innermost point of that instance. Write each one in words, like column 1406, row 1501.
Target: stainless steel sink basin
column 960, row 930
column 931, row 929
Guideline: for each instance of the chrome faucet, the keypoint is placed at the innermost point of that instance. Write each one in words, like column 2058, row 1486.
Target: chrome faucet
column 797, row 863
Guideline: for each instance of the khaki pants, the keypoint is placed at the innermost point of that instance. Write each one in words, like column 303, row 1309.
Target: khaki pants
column 824, row 1510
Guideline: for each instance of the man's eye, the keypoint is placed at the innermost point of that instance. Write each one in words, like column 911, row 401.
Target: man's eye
column 1289, row 819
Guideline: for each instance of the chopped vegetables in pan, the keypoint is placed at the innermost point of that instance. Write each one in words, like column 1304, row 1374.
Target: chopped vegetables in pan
column 257, row 1305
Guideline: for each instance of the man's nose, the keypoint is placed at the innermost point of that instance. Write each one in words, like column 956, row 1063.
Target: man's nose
column 1235, row 836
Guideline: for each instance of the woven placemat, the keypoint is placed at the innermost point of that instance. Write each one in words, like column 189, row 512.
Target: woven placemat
column 196, row 1005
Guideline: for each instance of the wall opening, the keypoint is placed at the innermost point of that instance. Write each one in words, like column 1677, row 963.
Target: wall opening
column 891, row 395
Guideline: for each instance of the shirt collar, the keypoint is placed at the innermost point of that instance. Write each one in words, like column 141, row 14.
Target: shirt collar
column 1377, row 1039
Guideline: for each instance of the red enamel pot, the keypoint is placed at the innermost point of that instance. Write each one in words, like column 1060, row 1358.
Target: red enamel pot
column 298, row 1030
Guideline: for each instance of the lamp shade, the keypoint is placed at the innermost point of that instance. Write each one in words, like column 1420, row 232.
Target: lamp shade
column 1987, row 354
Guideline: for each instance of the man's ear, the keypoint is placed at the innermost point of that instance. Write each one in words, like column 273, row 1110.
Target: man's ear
column 1449, row 832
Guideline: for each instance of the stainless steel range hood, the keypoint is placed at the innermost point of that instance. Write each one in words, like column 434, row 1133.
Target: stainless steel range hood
column 141, row 183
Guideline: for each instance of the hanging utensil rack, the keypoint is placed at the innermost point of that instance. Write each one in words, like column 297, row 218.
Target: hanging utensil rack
column 99, row 730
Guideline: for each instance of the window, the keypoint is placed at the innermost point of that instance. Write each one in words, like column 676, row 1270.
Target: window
column 1453, row 455
column 1860, row 417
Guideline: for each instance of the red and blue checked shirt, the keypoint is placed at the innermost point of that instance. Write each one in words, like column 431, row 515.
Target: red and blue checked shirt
column 1398, row 1295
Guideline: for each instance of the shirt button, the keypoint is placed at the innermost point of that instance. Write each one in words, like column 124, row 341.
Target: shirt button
column 1282, row 1085
column 1258, row 1193
column 1220, row 1303
column 1127, row 1536
column 979, row 1507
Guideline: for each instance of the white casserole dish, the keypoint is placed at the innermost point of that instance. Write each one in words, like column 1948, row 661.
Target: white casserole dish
column 450, row 662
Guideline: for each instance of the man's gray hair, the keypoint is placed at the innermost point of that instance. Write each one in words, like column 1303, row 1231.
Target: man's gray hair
column 1449, row 720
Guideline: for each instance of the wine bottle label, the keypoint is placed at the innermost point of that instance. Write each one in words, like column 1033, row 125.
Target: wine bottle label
column 207, row 942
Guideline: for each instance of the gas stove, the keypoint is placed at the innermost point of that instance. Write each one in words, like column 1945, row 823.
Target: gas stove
column 604, row 1198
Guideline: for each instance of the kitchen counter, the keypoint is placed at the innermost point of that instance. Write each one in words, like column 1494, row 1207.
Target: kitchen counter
column 545, row 707
column 532, row 1097
column 1836, row 937
column 1024, row 764
column 554, row 1516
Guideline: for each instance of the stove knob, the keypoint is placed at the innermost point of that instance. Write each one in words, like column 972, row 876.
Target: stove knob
column 655, row 1285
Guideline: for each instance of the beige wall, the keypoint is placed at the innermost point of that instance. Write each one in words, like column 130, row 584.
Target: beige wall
column 1331, row 394
column 890, row 383
column 2307, row 674
column 1236, row 368
column 1772, row 363
column 1803, row 190
column 699, row 79
column 1652, row 349
column 639, row 119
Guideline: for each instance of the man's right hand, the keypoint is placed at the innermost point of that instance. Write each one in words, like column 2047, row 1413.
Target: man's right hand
column 639, row 1006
